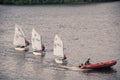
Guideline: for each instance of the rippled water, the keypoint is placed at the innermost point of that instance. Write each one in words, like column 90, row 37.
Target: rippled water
column 91, row 30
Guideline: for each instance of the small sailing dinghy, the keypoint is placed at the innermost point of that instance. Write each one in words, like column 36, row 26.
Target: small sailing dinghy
column 58, row 51
column 38, row 48
column 19, row 39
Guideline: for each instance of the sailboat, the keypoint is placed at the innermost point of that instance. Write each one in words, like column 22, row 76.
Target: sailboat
column 19, row 39
column 58, row 51
column 38, row 48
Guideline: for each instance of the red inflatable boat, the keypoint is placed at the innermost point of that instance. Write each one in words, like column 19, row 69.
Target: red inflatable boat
column 99, row 65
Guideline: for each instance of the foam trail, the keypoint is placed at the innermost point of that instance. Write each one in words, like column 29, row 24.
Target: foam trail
column 71, row 68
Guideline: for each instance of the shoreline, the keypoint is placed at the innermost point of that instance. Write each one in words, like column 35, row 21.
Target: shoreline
column 66, row 3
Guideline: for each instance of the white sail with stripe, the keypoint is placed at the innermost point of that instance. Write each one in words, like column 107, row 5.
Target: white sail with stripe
column 36, row 40
column 58, row 47
column 19, row 38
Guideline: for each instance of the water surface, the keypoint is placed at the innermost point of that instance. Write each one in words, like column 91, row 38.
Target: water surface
column 91, row 30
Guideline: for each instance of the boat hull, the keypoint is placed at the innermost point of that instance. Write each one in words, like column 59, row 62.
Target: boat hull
column 39, row 53
column 99, row 65
column 21, row 49
column 60, row 61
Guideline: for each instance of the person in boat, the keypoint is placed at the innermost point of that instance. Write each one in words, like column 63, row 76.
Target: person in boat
column 43, row 47
column 64, row 58
column 80, row 65
column 87, row 62
column 27, row 42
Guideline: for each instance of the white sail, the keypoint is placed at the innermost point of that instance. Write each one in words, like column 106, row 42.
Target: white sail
column 36, row 40
column 58, row 47
column 19, row 39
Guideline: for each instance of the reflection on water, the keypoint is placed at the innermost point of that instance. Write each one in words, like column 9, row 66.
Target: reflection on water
column 86, row 30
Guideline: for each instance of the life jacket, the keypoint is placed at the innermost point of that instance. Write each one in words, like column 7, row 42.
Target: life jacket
column 27, row 42
column 65, row 56
column 43, row 48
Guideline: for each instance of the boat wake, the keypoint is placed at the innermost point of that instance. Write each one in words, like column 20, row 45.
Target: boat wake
column 70, row 68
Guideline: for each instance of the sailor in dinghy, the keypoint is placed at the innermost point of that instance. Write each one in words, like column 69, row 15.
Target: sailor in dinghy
column 19, row 39
column 38, row 47
column 58, row 51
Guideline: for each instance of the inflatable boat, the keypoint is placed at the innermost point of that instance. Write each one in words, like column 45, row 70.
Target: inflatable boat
column 106, row 64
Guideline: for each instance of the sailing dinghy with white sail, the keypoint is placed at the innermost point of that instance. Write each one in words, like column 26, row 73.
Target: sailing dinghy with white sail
column 38, row 48
column 19, row 39
column 58, row 51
